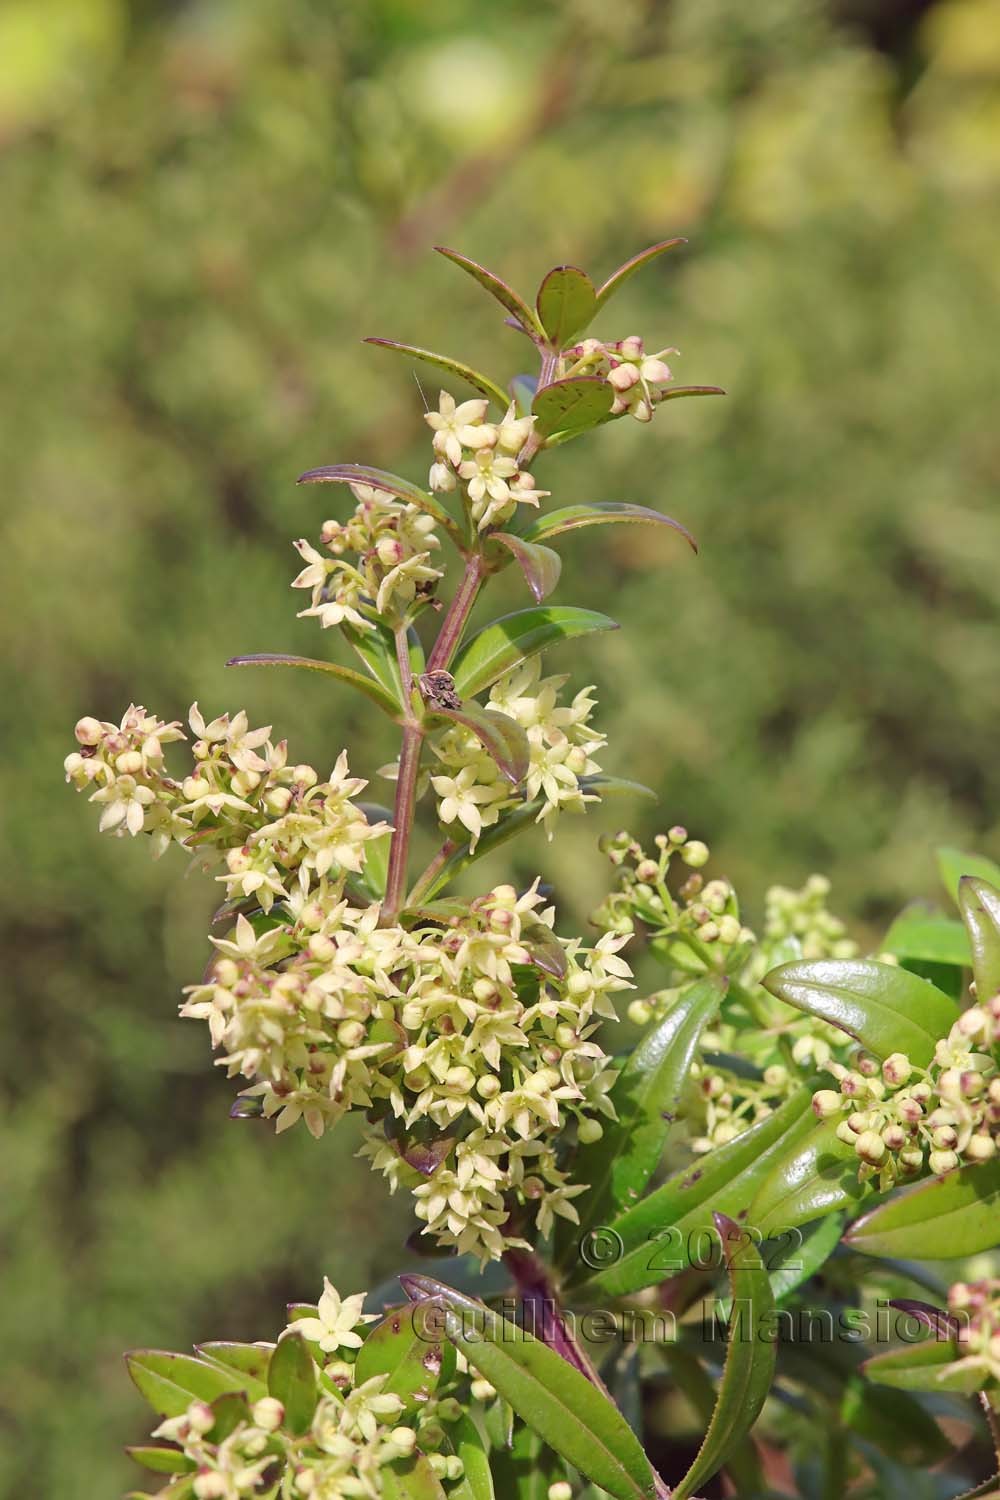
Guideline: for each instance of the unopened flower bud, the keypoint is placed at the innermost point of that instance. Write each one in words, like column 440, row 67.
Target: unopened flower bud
column 896, row 1069
column 589, row 1131
column 89, row 731
column 941, row 1162
column 826, row 1103
column 268, row 1413
column 403, row 1438
column 981, row 1147
column 481, row 1390
column 488, row 1086
column 210, row 1485
column 870, row 1147
column 776, row 1076
column 560, row 1490
column 895, row 1137
column 460, row 1080
column 695, row 854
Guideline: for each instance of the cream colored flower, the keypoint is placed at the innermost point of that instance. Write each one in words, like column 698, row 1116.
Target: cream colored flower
column 336, row 1322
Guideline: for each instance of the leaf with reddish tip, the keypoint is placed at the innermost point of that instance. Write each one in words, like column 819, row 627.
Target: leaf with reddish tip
column 933, row 1364
column 497, row 288
column 370, row 688
column 540, row 565
column 673, row 392
column 618, row 278
column 566, row 302
column 502, row 737
column 380, row 479
column 572, row 406
column 953, row 864
column 936, row 1319
column 605, row 513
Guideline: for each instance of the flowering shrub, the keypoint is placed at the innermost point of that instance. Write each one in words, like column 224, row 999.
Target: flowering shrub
column 780, row 1080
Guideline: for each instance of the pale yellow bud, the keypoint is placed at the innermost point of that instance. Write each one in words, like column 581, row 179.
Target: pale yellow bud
column 826, row 1103
column 89, row 731
column 695, row 854
column 870, row 1147
column 589, row 1131
column 896, row 1069
column 403, row 1438
column 488, row 1086
column 981, row 1148
column 268, row 1413
column 560, row 1490
column 941, row 1162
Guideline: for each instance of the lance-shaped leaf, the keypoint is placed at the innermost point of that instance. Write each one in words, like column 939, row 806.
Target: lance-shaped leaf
column 170, row 1382
column 605, row 513
column 566, row 1410
column 524, row 1468
column 646, row 1097
column 478, row 381
column 934, row 1364
column 938, row 1219
column 566, row 302
column 654, row 1240
column 496, row 287
column 466, row 1443
column 573, row 405
column 501, row 646
column 885, row 1008
column 954, row 863
column 181, row 1488
column 377, row 649
column 750, row 1357
column 693, row 1380
column 678, row 392
column 161, row 1460
column 248, row 1362
column 291, row 1379
column 540, row 565
column 502, row 737
column 410, row 1479
column 409, row 1355
column 522, row 392
column 814, row 1176
column 618, row 278
column 380, row 479
column 371, row 689
column 923, row 936
column 979, row 903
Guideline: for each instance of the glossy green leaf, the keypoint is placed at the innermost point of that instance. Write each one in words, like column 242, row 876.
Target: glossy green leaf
column 502, row 737
column 161, row 1460
column 928, row 937
column 474, row 378
column 979, row 903
column 678, row 392
column 806, row 1256
column 895, row 1422
column 573, row 405
column 603, row 513
column 410, row 1479
column 170, row 1382
column 525, row 1469
column 618, row 278
column 750, row 1358
column 291, row 1379
column 646, row 1097
column 885, row 1008
column 540, row 566
column 230, row 1410
column 816, row 1175
column 370, row 688
column 930, row 1365
column 465, row 1441
column 566, row 1410
column 938, row 1219
column 502, row 645
column 954, row 863
column 401, row 1349
column 377, row 649
column 496, row 287
column 689, row 1374
column 247, row 1361
column 566, row 302
column 656, row 1239
column 380, row 479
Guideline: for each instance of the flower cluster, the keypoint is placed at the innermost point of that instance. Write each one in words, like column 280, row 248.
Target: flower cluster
column 561, row 744
column 899, row 1118
column 357, row 1427
column 482, row 458
column 391, row 545
column 975, row 1311
column 638, row 378
column 802, row 917
column 274, row 823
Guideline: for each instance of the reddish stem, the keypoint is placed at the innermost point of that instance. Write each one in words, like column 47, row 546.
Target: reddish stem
column 458, row 613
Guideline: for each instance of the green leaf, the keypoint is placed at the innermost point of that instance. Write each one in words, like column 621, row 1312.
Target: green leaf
column 230, row 1410
column 479, row 382
column 618, row 278
column 377, row 649
column 560, row 1404
column 410, row 1479
column 646, row 1097
column 502, row 645
column 376, row 869
column 466, row 1443
column 925, row 1366
column 540, row 566
column 403, row 1350
column 291, row 1379
column 885, row 1008
column 813, row 1177
column 522, row 392
column 897, row 1424
column 938, row 1219
column 380, row 479
column 742, row 1464
column 604, row 513
column 979, row 903
column 750, row 1358
column 502, row 737
column 170, row 1382
column 678, row 392
column 928, row 937
column 372, row 690
column 953, row 864
column 572, row 406
column 566, row 302
column 806, row 1256
column 525, row 1469
column 161, row 1460
column 248, row 1361
column 496, row 287
column 654, row 1240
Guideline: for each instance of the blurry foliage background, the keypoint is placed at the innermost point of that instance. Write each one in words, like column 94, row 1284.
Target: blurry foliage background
column 205, row 206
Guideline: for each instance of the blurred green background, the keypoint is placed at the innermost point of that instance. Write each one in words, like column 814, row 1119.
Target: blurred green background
column 206, row 205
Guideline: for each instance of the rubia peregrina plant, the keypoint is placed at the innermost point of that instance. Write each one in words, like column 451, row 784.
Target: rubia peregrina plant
column 466, row 1030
